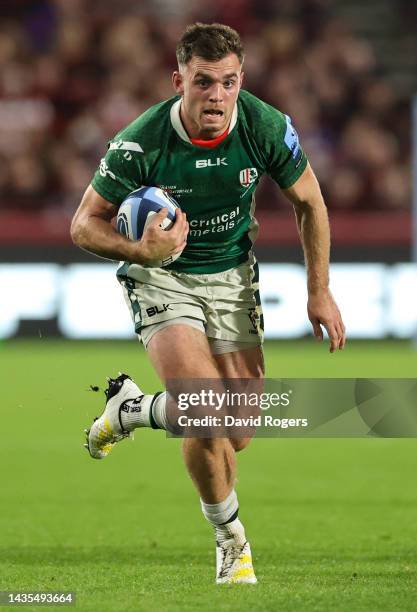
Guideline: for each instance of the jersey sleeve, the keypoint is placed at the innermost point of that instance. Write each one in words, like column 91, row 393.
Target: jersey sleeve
column 287, row 160
column 119, row 172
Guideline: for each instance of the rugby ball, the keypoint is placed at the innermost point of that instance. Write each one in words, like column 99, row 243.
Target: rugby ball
column 137, row 210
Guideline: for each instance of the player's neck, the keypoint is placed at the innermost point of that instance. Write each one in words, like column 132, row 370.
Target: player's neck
column 212, row 142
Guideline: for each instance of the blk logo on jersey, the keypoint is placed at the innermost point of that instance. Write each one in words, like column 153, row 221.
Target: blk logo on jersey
column 210, row 163
column 248, row 176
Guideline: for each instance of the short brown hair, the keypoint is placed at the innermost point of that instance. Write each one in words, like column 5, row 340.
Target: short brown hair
column 211, row 41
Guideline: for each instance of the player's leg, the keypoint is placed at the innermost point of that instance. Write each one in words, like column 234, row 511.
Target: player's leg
column 233, row 552
column 183, row 351
column 234, row 326
column 210, row 462
column 156, row 298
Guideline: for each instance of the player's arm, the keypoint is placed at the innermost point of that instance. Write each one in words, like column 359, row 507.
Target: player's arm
column 92, row 230
column 313, row 227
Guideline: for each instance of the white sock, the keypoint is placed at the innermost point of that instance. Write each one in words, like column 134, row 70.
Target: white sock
column 233, row 530
column 223, row 517
column 148, row 412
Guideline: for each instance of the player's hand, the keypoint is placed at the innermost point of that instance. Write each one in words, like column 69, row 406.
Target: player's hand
column 157, row 244
column 323, row 311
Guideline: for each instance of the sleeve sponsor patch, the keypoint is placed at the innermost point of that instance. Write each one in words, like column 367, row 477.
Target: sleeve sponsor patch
column 292, row 141
column 104, row 170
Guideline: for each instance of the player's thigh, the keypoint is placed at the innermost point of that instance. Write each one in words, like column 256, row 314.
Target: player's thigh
column 181, row 351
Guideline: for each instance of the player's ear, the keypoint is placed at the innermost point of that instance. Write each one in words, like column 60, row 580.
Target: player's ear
column 178, row 82
column 242, row 74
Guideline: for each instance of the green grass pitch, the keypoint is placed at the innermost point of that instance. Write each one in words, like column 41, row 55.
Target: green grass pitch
column 332, row 522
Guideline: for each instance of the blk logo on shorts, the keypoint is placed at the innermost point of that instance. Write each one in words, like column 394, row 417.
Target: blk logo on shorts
column 154, row 310
column 248, row 176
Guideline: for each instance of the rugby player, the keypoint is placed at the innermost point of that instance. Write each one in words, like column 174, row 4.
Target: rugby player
column 201, row 316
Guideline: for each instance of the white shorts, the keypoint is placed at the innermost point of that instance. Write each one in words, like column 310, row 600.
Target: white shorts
column 225, row 305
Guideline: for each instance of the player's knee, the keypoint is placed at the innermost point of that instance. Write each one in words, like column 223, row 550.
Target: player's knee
column 239, row 443
column 211, row 445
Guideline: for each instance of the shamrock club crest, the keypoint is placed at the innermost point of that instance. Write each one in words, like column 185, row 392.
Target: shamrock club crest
column 248, row 176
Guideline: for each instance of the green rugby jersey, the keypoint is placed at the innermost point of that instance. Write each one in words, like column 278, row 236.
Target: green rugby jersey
column 215, row 187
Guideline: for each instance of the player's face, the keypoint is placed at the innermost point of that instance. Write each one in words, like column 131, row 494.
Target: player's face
column 209, row 92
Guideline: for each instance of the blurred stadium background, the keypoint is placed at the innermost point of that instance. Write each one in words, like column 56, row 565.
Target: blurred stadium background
column 340, row 513
column 73, row 72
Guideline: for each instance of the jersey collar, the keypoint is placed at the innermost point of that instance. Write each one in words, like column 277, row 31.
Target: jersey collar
column 179, row 128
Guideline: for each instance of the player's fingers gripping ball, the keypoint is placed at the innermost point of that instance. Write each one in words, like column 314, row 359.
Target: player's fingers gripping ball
column 137, row 210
